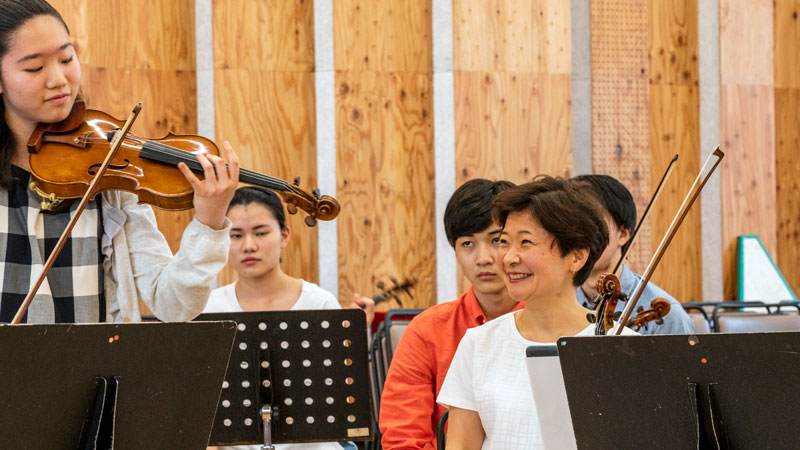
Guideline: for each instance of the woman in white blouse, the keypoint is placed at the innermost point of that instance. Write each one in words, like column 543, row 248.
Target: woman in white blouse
column 553, row 232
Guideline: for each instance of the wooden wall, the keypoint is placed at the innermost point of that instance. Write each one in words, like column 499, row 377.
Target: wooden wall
column 512, row 66
column 512, row 113
column 748, row 129
column 787, row 137
column 384, row 146
column 264, row 103
column 674, row 124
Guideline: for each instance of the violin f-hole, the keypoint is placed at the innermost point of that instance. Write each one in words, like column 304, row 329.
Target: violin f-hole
column 93, row 168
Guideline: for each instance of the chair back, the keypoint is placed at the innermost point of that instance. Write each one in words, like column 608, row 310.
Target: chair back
column 744, row 322
column 384, row 342
column 699, row 320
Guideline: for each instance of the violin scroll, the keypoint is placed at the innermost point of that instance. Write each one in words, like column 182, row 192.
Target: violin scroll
column 610, row 294
column 659, row 308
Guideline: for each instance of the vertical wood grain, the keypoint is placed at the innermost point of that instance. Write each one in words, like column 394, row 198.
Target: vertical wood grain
column 675, row 128
column 748, row 129
column 787, row 138
column 513, row 115
column 265, row 103
column 384, row 148
column 620, row 108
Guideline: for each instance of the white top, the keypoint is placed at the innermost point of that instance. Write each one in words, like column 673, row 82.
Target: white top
column 223, row 299
column 488, row 375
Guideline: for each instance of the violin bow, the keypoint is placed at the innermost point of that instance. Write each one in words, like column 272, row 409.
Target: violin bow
column 116, row 143
column 713, row 161
column 601, row 301
column 646, row 214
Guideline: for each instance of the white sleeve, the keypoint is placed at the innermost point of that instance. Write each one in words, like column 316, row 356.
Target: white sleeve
column 177, row 287
column 458, row 390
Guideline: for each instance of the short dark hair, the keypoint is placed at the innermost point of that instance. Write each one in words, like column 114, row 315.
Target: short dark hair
column 614, row 197
column 13, row 15
column 566, row 209
column 250, row 194
column 469, row 209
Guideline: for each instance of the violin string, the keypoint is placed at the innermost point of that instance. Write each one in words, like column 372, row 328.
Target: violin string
column 172, row 155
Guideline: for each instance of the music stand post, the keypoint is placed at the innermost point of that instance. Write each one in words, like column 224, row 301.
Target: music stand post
column 116, row 386
column 295, row 376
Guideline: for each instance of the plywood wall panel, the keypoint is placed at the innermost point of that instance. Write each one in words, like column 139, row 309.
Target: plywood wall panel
column 787, row 137
column 142, row 34
column 384, row 173
column 389, row 35
column 747, row 115
column 747, row 172
column 674, row 118
column 513, row 36
column 675, row 128
column 673, row 42
column 787, row 182
column 745, row 42
column 269, row 116
column 512, row 126
column 264, row 35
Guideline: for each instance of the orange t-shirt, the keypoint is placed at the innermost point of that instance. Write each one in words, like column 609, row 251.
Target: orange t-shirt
column 409, row 413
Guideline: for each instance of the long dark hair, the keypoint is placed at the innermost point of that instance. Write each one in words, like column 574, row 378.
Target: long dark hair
column 14, row 14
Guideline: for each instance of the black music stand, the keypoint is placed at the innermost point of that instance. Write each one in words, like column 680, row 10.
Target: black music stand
column 304, row 373
column 711, row 391
column 111, row 386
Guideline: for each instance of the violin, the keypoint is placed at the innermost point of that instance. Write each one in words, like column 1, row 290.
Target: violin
column 392, row 292
column 659, row 308
column 65, row 156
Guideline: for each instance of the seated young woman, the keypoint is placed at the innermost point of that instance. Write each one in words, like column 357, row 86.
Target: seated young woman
column 553, row 232
column 258, row 236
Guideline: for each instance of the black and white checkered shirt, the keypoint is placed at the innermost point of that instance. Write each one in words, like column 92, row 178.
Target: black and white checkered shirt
column 73, row 290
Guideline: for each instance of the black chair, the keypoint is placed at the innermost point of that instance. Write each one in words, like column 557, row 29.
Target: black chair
column 749, row 317
column 384, row 342
column 440, row 434
column 699, row 318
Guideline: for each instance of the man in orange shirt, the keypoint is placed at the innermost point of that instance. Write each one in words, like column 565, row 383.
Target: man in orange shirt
column 409, row 413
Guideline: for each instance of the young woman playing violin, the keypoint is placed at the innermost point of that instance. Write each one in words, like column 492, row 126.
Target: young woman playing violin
column 115, row 255
column 553, row 233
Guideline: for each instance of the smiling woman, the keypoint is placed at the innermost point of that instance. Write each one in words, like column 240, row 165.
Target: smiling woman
column 553, row 232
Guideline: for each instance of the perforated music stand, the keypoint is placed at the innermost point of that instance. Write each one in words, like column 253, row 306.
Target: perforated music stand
column 102, row 386
column 719, row 391
column 308, row 367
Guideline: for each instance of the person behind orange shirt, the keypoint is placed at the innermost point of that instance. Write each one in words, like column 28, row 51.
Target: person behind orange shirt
column 409, row 413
